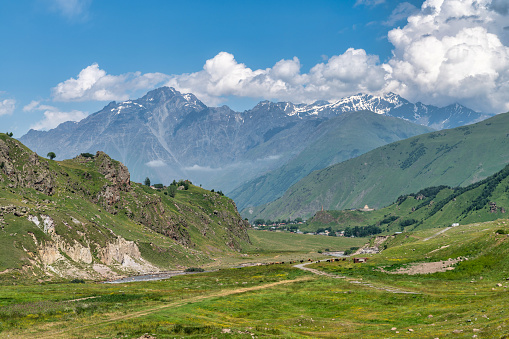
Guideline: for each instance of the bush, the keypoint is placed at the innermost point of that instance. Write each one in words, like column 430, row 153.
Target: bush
column 87, row 155
column 194, row 269
column 501, row 231
column 407, row 222
column 77, row 281
column 351, row 250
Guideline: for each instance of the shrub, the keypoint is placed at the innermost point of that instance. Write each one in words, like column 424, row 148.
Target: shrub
column 77, row 281
column 194, row 269
column 407, row 222
column 501, row 231
column 351, row 250
column 87, row 155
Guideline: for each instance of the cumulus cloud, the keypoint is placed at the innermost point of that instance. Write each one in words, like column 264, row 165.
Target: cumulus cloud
column 451, row 51
column 93, row 83
column 7, row 106
column 352, row 72
column 448, row 51
column 52, row 116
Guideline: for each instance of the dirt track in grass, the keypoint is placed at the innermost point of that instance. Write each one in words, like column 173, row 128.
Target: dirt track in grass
column 72, row 332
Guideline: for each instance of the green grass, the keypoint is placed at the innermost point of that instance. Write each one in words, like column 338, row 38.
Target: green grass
column 214, row 304
column 429, row 208
column 277, row 242
column 455, row 157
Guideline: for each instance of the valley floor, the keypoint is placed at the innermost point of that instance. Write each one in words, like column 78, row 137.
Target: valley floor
column 283, row 301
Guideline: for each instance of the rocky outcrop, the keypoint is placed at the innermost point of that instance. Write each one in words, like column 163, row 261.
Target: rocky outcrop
column 70, row 259
column 119, row 252
column 25, row 168
column 113, row 171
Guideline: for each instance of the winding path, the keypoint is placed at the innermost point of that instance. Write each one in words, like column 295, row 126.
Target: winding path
column 363, row 283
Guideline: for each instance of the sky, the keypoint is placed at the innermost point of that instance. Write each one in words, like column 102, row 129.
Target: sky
column 62, row 60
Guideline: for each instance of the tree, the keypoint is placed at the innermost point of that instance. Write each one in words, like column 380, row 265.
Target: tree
column 172, row 191
column 147, row 181
column 51, row 155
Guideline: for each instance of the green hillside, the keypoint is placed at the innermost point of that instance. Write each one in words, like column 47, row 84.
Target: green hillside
column 84, row 218
column 344, row 137
column 455, row 157
column 433, row 207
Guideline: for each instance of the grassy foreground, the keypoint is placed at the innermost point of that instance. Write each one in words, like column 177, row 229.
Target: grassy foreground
column 281, row 301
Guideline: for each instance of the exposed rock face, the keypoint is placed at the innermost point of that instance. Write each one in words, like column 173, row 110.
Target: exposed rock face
column 24, row 168
column 119, row 252
column 114, row 172
column 51, row 252
column 60, row 256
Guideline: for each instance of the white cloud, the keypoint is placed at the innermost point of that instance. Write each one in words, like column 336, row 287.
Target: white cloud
column 156, row 163
column 93, row 83
column 198, row 168
column 7, row 106
column 31, row 106
column 71, row 9
column 448, row 51
column 369, row 2
column 451, row 51
column 348, row 73
column 52, row 116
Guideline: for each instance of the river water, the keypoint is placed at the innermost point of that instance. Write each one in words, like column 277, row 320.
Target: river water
column 149, row 277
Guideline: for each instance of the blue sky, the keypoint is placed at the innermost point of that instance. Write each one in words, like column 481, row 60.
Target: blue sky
column 64, row 59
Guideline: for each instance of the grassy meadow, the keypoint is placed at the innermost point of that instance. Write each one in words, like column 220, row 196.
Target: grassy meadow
column 282, row 301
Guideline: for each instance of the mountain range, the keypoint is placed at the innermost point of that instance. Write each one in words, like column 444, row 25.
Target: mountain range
column 168, row 135
column 453, row 157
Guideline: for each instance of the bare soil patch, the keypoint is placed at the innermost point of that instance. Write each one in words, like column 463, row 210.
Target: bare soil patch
column 425, row 267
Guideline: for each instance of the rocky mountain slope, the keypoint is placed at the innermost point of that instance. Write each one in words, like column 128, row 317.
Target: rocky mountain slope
column 84, row 218
column 168, row 135
column 455, row 157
